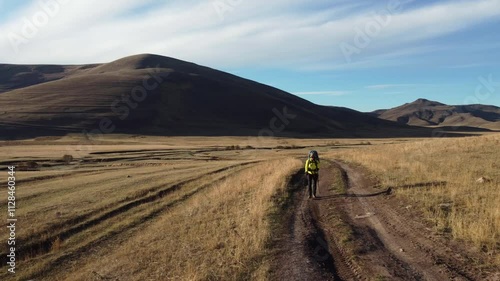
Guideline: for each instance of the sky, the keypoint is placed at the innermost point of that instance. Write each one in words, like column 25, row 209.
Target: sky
column 364, row 54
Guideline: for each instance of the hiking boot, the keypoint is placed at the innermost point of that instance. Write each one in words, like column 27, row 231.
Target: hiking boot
column 309, row 196
column 314, row 196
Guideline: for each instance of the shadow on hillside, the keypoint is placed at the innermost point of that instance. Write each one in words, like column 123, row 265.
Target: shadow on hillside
column 462, row 129
column 26, row 132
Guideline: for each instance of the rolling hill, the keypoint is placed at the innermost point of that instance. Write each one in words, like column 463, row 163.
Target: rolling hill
column 19, row 76
column 424, row 112
column 151, row 94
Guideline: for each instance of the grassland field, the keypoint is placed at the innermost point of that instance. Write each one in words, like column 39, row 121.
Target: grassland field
column 193, row 208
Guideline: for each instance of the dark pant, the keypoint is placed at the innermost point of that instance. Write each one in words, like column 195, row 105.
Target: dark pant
column 312, row 182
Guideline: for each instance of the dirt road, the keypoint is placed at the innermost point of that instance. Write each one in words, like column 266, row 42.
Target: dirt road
column 358, row 232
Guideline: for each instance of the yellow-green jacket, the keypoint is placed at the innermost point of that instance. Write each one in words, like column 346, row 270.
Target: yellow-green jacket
column 312, row 167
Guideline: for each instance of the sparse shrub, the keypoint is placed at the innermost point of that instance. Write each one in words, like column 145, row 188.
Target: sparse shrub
column 56, row 245
column 28, row 166
column 287, row 147
column 67, row 158
column 233, row 147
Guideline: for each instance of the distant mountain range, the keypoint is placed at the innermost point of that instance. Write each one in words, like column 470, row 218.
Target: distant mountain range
column 424, row 112
column 156, row 95
column 151, row 94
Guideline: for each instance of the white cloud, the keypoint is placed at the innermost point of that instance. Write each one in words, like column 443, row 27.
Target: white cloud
column 253, row 34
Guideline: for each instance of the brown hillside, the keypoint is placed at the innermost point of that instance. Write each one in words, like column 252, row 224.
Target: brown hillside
column 423, row 112
column 188, row 100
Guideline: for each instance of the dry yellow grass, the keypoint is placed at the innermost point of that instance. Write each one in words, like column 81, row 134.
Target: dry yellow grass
column 439, row 176
column 215, row 221
column 219, row 234
column 156, row 210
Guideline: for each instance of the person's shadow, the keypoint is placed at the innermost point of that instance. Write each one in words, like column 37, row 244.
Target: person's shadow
column 345, row 195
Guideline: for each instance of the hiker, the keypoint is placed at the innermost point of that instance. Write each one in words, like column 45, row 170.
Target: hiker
column 312, row 169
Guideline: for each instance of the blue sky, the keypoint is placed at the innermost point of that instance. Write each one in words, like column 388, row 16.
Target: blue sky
column 365, row 55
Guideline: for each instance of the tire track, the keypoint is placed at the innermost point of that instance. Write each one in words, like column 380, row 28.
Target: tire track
column 439, row 252
column 105, row 240
column 417, row 267
column 93, row 180
column 307, row 253
column 45, row 241
column 402, row 237
column 346, row 268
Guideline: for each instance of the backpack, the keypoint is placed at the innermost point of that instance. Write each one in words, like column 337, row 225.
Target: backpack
column 314, row 155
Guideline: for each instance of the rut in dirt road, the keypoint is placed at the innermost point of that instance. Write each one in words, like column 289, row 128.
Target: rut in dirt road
column 383, row 241
column 305, row 251
column 396, row 245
